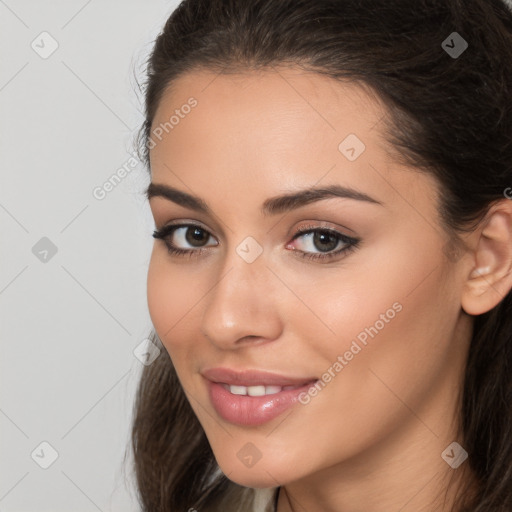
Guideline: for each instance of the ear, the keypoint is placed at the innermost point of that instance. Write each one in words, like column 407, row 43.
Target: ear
column 489, row 278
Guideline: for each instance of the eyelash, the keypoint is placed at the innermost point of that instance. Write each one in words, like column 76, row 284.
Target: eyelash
column 351, row 243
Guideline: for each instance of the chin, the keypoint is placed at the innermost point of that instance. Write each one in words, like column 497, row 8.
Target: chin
column 255, row 481
column 263, row 474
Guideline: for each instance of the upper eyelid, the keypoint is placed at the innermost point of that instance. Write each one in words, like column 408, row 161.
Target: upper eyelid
column 306, row 229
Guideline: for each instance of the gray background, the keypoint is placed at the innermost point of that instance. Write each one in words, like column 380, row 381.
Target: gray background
column 70, row 321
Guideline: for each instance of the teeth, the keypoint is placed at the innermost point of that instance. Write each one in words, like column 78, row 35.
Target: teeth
column 238, row 390
column 271, row 390
column 256, row 390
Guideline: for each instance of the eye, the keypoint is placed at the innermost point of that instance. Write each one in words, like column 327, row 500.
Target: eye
column 175, row 235
column 325, row 240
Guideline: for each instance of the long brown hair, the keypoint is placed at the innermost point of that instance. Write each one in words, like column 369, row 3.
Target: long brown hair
column 449, row 116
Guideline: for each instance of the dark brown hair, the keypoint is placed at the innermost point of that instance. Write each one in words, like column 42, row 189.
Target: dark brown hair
column 448, row 116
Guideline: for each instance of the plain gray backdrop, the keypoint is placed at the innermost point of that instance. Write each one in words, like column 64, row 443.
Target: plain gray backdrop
column 73, row 266
column 73, row 261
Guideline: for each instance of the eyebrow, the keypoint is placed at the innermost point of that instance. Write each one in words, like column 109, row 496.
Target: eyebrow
column 272, row 206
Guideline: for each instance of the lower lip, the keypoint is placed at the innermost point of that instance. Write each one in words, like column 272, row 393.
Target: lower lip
column 252, row 410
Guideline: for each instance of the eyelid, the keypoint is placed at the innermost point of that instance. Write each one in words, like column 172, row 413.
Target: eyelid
column 185, row 223
column 337, row 229
column 322, row 224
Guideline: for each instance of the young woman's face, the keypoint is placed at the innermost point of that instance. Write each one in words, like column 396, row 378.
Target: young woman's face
column 358, row 314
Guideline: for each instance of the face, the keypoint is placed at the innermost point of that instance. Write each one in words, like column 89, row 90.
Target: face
column 344, row 302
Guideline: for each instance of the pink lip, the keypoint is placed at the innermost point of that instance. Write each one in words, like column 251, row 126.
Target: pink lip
column 252, row 410
column 252, row 378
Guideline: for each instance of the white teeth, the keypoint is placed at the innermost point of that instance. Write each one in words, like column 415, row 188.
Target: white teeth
column 271, row 390
column 238, row 390
column 256, row 390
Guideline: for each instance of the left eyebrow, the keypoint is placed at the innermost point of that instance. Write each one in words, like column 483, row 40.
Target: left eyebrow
column 272, row 206
column 288, row 202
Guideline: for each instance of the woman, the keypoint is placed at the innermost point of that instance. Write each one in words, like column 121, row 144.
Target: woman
column 331, row 274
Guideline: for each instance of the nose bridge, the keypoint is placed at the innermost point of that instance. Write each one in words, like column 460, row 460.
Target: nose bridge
column 240, row 302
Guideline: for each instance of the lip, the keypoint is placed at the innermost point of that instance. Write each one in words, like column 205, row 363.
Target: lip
column 252, row 378
column 247, row 410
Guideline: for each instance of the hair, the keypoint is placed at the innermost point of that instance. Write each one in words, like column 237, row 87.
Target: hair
column 450, row 117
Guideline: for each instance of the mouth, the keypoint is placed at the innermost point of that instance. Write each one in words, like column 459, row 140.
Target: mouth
column 253, row 397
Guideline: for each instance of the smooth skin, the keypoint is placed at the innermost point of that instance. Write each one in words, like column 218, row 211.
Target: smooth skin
column 371, row 440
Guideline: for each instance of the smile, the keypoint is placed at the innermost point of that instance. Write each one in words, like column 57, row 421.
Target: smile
column 252, row 397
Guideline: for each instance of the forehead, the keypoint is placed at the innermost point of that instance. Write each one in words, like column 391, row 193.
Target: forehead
column 274, row 94
column 272, row 130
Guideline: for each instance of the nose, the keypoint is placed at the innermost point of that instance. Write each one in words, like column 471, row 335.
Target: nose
column 242, row 307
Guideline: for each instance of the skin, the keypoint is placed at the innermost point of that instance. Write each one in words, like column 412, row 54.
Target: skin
column 372, row 439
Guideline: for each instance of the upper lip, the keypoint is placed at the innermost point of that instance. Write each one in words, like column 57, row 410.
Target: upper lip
column 253, row 378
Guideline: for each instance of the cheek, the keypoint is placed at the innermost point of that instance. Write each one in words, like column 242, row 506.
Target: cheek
column 392, row 318
column 370, row 295
column 395, row 285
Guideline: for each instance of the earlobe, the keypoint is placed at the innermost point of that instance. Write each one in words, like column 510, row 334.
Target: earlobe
column 490, row 277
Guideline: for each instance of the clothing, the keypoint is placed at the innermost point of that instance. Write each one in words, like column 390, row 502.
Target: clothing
column 265, row 500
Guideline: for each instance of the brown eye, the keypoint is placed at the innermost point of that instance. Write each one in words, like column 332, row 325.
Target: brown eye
column 323, row 244
column 183, row 238
column 325, row 240
column 195, row 235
